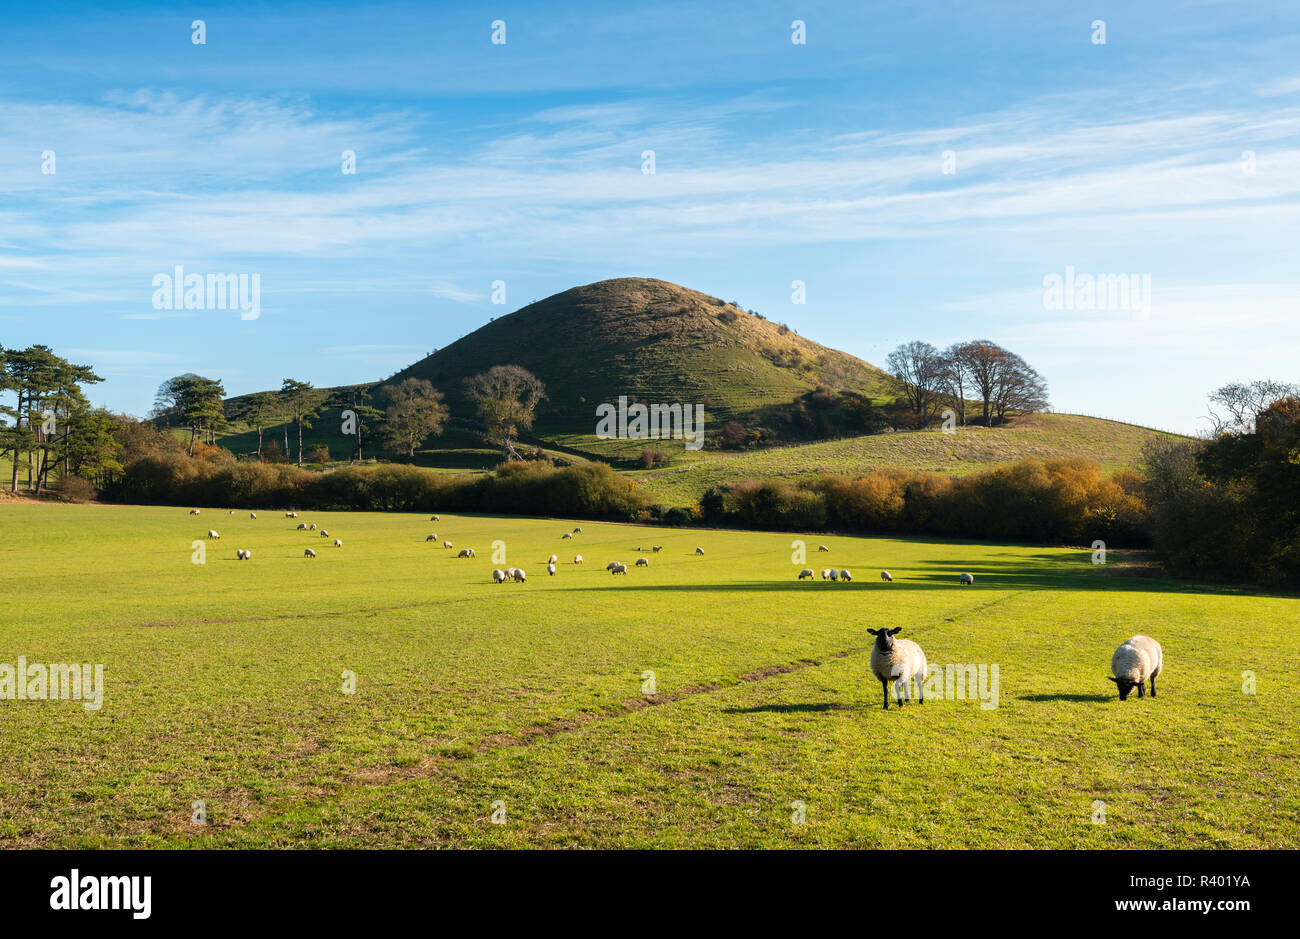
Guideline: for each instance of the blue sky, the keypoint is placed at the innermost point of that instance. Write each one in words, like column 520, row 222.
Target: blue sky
column 775, row 162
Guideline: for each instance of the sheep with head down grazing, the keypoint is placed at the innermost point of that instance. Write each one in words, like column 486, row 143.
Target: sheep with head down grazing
column 806, row 572
column 1136, row 661
column 887, row 577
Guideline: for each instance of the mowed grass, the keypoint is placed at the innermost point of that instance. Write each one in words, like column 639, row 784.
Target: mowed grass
column 224, row 683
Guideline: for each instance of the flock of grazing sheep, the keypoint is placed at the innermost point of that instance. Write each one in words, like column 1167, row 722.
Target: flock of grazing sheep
column 245, row 554
column 1137, row 662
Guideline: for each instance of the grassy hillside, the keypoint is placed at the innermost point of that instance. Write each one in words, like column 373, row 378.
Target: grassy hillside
column 663, row 343
column 1112, row 444
column 647, row 339
column 224, row 683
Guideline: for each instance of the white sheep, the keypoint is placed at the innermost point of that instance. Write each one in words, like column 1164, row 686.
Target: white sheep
column 577, row 559
column 311, row 527
column 290, row 514
column 552, row 559
column 302, row 526
column 510, row 573
column 432, row 537
column 1137, row 660
column 243, row 555
column 898, row 661
column 324, row 533
column 448, row 544
column 822, row 547
column 213, row 533
column 252, row 515
column 338, row 542
column 806, row 573
column 642, row 562
column 826, row 573
column 499, row 577
column 835, row 575
column 699, row 550
column 194, row 511
column 618, row 568
column 565, row 536
column 846, row 576
column 887, row 577
column 611, row 565
column 309, row 553
column 550, row 569
column 967, row 579
column 466, row 553
column 434, row 518
column 519, row 575
column 577, row 531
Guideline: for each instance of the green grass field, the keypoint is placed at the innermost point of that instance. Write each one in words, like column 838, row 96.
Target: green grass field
column 224, row 683
column 1112, row 444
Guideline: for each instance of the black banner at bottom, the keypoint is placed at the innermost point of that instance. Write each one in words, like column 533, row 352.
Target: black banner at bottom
column 136, row 889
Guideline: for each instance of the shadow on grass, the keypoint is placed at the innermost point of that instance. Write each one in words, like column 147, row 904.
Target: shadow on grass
column 1065, row 697
column 789, row 708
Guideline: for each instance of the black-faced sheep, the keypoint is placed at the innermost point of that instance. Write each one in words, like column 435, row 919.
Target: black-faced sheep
column 642, row 562
column 967, row 579
column 309, row 553
column 899, row 661
column 1137, row 660
column 887, row 577
column 806, row 572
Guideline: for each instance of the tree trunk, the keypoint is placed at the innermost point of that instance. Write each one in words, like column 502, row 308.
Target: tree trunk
column 259, row 441
column 300, row 441
column 191, row 451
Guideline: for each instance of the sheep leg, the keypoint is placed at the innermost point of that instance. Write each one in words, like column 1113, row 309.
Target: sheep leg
column 898, row 691
column 1142, row 690
column 884, row 686
column 1153, row 686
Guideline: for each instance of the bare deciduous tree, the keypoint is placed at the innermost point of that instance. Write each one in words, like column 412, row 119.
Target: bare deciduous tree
column 506, row 397
column 1243, row 402
column 919, row 366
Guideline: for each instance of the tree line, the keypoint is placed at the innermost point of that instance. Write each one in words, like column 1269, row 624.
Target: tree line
column 999, row 382
column 52, row 428
column 401, row 416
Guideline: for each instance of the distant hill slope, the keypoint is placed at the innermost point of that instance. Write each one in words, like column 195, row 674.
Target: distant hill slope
column 646, row 339
column 1112, row 444
column 663, row 343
